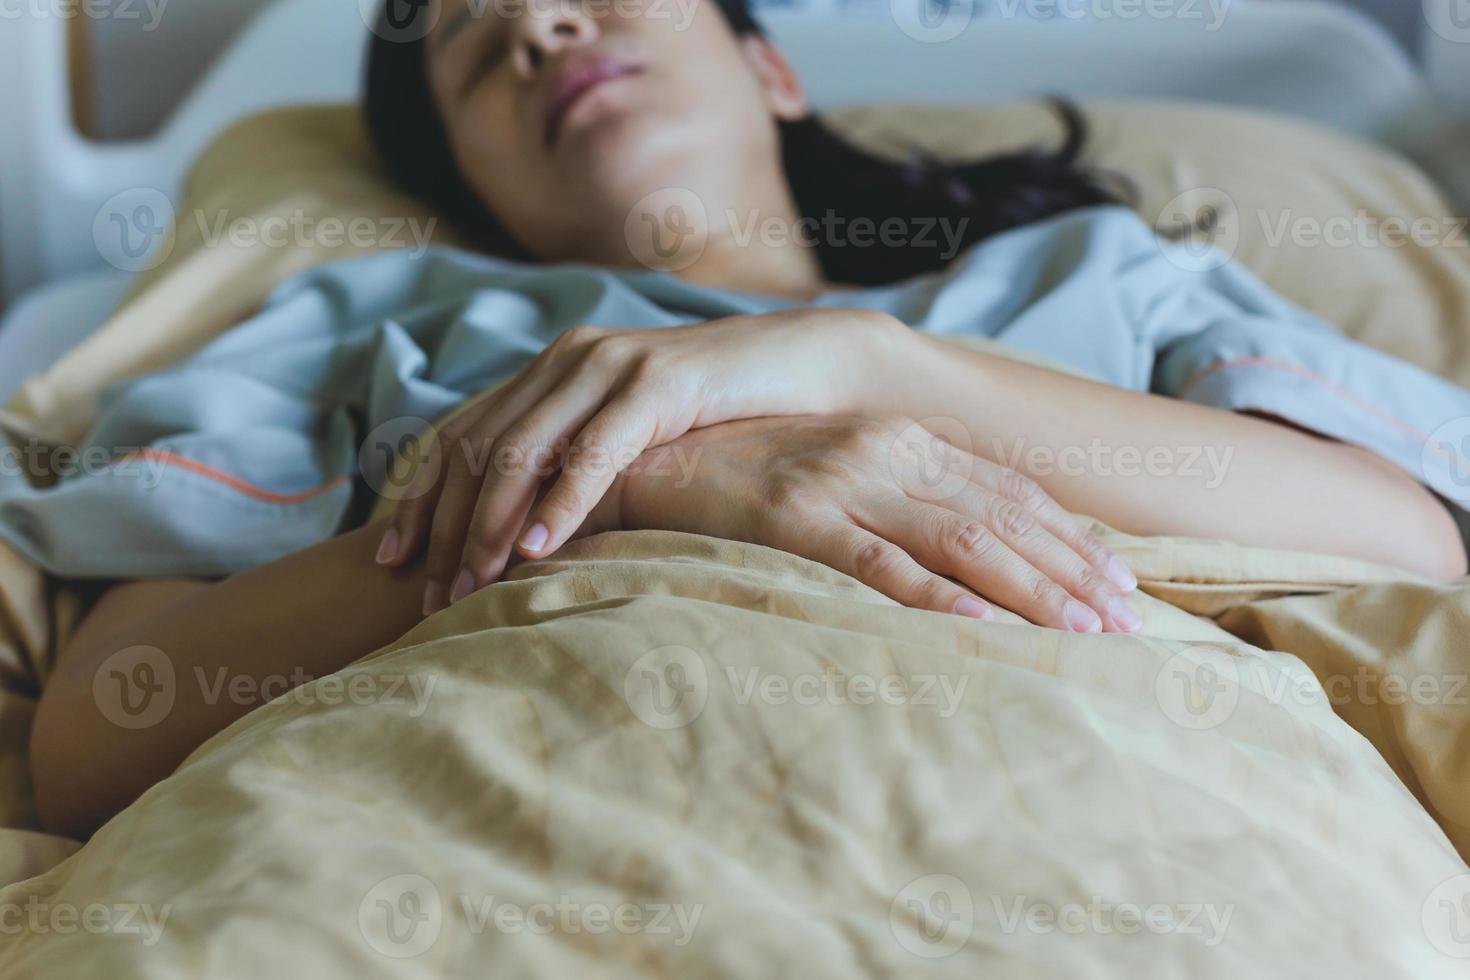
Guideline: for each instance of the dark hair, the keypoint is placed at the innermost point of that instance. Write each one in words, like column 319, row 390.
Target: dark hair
column 828, row 175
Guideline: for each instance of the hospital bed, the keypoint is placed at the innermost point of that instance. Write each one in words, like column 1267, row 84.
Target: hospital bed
column 1300, row 801
column 1314, row 60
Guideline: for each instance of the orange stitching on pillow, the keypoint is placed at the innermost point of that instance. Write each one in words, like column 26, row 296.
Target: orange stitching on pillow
column 233, row 483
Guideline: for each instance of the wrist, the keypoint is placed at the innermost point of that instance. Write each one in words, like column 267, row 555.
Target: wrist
column 891, row 353
column 919, row 376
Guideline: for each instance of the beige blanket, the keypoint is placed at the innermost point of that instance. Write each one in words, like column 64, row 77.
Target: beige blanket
column 668, row 755
column 665, row 755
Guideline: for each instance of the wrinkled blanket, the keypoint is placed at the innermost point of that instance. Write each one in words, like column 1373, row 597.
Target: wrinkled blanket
column 660, row 754
column 666, row 755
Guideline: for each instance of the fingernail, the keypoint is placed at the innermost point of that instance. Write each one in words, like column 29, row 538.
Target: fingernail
column 1081, row 619
column 1120, row 575
column 968, row 605
column 464, row 585
column 535, row 537
column 388, row 550
column 433, row 598
column 1124, row 616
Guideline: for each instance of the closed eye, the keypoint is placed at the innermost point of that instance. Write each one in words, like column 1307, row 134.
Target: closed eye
column 485, row 61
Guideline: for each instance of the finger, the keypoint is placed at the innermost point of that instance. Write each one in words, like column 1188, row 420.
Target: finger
column 1056, row 519
column 916, row 472
column 525, row 455
column 408, row 534
column 612, row 439
column 1017, row 511
column 1024, row 534
column 553, row 419
column 885, row 567
column 963, row 547
column 452, row 517
column 408, row 531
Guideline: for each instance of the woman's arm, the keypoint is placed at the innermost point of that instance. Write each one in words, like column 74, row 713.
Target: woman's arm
column 1150, row 465
column 230, row 646
column 606, row 395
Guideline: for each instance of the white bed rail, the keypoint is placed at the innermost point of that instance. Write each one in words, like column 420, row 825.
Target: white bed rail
column 54, row 182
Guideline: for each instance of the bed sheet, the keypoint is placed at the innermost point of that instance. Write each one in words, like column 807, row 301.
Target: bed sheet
column 668, row 755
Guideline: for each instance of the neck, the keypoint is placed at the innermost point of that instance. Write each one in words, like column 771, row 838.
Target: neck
column 754, row 245
column 778, row 267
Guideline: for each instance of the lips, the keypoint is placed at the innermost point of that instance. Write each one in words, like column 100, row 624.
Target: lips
column 575, row 80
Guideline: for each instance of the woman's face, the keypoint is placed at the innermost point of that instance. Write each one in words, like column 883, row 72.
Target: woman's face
column 564, row 114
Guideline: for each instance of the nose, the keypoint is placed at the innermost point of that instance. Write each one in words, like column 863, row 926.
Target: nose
column 549, row 27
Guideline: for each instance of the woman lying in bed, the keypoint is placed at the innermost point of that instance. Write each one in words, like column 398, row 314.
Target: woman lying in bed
column 569, row 127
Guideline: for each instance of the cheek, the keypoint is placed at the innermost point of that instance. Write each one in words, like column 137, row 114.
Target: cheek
column 690, row 49
column 490, row 144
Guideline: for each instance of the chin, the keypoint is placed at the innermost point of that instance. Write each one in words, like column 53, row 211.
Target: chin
column 624, row 156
